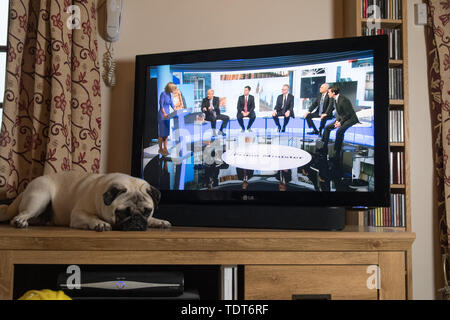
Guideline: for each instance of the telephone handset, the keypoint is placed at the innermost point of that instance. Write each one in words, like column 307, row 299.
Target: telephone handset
column 113, row 19
column 112, row 27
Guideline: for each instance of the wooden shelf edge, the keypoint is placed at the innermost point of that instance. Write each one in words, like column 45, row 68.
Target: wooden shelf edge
column 379, row 229
column 396, row 102
column 398, row 186
column 385, row 22
column 395, row 62
column 397, row 144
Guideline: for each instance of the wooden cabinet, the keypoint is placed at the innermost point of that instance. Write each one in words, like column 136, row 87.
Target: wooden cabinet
column 277, row 264
column 384, row 278
column 346, row 282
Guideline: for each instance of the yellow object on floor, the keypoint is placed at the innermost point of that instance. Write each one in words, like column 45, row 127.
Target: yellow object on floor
column 44, row 295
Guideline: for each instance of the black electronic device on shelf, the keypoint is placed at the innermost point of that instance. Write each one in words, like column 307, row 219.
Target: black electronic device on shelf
column 112, row 284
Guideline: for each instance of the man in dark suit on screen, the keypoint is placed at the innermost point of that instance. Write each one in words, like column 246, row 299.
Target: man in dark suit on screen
column 345, row 118
column 284, row 108
column 246, row 109
column 322, row 108
column 210, row 107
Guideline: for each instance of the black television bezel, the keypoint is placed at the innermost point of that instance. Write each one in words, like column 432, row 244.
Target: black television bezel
column 380, row 197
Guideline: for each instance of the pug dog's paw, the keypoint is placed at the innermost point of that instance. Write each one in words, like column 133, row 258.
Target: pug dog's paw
column 158, row 223
column 165, row 224
column 19, row 222
column 101, row 226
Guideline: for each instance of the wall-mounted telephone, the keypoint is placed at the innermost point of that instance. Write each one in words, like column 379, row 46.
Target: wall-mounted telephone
column 112, row 30
column 113, row 19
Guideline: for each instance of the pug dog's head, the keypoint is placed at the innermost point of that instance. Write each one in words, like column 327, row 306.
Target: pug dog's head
column 130, row 203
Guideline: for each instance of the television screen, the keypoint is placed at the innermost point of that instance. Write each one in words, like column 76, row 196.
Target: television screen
column 299, row 123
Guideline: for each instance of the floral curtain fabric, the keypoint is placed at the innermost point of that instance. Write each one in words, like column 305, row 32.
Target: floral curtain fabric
column 52, row 117
column 438, row 47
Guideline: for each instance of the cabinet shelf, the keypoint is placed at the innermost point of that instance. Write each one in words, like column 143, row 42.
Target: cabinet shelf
column 398, row 186
column 396, row 102
column 397, row 144
column 384, row 23
column 395, row 63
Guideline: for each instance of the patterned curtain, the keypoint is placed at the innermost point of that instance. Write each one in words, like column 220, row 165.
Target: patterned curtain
column 438, row 47
column 51, row 119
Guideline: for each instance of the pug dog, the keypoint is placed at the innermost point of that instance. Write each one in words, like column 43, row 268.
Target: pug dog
column 100, row 202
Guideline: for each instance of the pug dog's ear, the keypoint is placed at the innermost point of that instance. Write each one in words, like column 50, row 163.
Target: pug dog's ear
column 112, row 193
column 155, row 194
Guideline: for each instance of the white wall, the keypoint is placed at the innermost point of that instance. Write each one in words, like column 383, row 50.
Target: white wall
column 421, row 162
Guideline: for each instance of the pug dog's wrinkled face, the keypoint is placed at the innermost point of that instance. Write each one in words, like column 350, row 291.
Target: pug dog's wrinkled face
column 130, row 206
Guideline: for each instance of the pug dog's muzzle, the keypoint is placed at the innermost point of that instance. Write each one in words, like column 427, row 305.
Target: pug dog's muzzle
column 132, row 212
column 131, row 219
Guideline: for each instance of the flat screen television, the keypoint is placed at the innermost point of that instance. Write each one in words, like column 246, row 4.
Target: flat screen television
column 230, row 137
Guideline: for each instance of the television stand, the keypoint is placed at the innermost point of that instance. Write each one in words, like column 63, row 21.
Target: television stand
column 277, row 264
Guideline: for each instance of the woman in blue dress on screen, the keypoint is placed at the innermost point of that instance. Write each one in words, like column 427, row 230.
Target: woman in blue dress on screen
column 165, row 103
